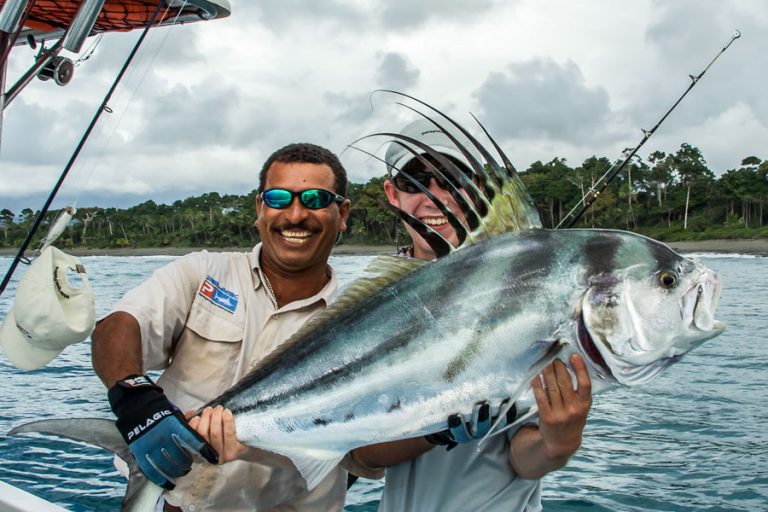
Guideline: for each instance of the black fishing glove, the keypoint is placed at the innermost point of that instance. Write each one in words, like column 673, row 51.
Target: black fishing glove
column 464, row 430
column 158, row 435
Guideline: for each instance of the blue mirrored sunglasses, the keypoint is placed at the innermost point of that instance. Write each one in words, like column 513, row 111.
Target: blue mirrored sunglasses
column 312, row 198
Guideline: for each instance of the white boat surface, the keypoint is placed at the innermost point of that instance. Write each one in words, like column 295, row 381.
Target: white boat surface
column 13, row 499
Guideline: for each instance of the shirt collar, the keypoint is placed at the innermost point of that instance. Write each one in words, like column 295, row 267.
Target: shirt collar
column 326, row 294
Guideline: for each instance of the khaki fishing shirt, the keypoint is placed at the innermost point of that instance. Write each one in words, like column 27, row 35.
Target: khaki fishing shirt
column 205, row 320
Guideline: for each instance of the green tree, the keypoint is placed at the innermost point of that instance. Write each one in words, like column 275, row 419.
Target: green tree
column 552, row 186
column 370, row 219
column 6, row 221
column 692, row 172
column 660, row 175
column 588, row 176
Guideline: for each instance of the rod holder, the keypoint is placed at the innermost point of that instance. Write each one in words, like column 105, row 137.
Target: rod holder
column 82, row 24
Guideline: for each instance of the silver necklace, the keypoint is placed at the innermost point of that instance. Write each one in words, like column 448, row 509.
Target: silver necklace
column 268, row 286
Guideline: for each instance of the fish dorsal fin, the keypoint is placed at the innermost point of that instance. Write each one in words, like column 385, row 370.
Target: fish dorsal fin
column 384, row 270
column 496, row 194
column 392, row 268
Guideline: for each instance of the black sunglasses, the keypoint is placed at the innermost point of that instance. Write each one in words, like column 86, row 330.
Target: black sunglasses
column 422, row 177
column 312, row 198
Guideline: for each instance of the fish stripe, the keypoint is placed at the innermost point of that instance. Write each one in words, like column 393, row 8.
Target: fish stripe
column 461, row 361
column 600, row 253
column 337, row 374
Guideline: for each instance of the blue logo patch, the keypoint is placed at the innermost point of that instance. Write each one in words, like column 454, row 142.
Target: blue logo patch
column 218, row 295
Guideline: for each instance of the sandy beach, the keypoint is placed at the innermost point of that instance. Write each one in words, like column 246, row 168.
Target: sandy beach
column 758, row 247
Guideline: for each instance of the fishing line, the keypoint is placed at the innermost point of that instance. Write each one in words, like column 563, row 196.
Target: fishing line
column 87, row 54
column 86, row 168
column 121, row 104
column 595, row 190
column 103, row 107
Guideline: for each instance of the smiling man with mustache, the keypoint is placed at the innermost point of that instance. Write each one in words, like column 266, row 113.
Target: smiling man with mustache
column 205, row 320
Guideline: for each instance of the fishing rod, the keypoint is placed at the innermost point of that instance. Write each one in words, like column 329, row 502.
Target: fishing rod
column 594, row 191
column 102, row 108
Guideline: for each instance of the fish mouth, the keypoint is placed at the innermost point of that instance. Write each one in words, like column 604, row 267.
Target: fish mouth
column 699, row 306
column 589, row 348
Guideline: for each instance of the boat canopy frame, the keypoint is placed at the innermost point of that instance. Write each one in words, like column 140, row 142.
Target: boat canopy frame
column 71, row 22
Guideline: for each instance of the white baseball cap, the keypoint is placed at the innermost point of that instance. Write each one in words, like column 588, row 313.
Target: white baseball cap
column 430, row 135
column 49, row 313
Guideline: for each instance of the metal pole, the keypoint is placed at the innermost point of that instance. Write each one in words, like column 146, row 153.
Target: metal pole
column 81, row 25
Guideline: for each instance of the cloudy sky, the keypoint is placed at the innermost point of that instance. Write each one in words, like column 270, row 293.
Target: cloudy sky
column 206, row 103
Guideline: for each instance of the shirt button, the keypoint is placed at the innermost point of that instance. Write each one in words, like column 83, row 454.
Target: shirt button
column 192, row 508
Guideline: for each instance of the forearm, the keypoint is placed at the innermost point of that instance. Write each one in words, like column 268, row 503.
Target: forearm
column 529, row 457
column 116, row 348
column 393, row 453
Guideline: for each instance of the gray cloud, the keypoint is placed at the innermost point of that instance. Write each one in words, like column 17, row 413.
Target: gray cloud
column 540, row 98
column 408, row 14
column 35, row 135
column 208, row 114
column 389, row 15
column 687, row 34
column 349, row 108
column 220, row 96
column 277, row 14
column 395, row 72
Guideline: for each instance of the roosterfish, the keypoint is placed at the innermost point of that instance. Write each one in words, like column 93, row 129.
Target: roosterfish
column 414, row 341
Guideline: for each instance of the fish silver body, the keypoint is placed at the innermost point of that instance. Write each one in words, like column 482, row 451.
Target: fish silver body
column 434, row 341
column 476, row 326
column 400, row 351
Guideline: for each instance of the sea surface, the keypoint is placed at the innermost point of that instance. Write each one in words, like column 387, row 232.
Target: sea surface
column 695, row 439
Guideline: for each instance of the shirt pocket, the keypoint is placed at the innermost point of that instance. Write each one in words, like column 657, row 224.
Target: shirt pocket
column 208, row 351
column 214, row 324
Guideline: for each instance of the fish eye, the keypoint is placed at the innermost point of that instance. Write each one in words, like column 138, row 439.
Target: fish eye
column 668, row 279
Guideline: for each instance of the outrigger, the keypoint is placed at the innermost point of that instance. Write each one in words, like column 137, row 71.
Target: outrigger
column 71, row 22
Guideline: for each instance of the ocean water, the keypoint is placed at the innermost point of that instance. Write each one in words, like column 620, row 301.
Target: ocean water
column 695, row 439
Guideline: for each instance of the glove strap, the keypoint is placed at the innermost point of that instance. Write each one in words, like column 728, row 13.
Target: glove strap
column 139, row 404
column 442, row 438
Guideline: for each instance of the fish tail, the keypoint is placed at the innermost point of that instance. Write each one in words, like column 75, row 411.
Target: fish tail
column 100, row 432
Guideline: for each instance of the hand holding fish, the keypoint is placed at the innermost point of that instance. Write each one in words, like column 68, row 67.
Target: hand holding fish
column 217, row 426
column 155, row 431
column 563, row 410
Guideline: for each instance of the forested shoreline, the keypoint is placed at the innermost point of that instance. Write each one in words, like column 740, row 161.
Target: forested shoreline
column 668, row 196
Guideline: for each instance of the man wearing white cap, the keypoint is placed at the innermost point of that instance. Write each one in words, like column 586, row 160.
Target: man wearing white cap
column 50, row 313
column 448, row 471
column 403, row 194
